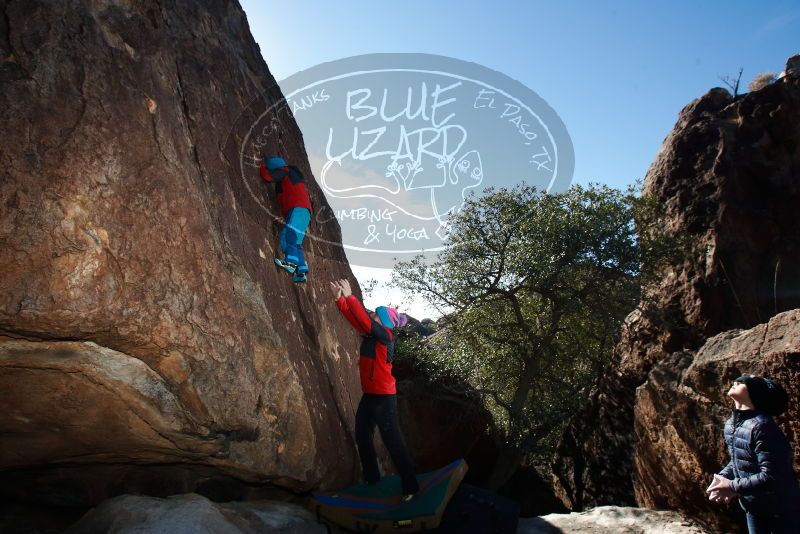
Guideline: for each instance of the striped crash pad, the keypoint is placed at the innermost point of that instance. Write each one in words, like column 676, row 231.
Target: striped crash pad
column 379, row 508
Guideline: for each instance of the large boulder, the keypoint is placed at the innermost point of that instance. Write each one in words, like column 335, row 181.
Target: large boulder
column 728, row 176
column 147, row 343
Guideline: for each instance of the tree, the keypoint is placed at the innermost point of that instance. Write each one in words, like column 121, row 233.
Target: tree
column 733, row 83
column 534, row 288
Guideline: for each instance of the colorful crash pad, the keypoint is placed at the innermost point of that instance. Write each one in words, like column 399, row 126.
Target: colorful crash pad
column 379, row 508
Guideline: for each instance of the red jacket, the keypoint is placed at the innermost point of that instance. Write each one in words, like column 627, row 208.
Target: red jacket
column 377, row 349
column 290, row 186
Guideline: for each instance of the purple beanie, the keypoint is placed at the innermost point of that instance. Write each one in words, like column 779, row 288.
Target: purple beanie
column 390, row 318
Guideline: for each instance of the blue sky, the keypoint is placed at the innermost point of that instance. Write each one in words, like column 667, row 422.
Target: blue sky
column 616, row 72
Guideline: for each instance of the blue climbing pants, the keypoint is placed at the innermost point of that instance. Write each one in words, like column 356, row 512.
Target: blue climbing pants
column 292, row 235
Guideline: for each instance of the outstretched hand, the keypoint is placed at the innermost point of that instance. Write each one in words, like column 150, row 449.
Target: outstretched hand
column 346, row 291
column 341, row 288
column 337, row 289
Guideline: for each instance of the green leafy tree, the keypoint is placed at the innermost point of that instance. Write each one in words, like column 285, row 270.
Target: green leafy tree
column 533, row 288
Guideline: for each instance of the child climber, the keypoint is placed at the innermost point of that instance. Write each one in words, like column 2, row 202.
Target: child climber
column 296, row 211
column 378, row 405
column 760, row 471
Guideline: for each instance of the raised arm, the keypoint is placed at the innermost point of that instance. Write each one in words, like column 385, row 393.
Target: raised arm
column 350, row 307
column 354, row 312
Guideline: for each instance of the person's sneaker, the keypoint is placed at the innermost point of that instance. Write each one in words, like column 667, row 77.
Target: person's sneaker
column 299, row 278
column 285, row 265
column 408, row 497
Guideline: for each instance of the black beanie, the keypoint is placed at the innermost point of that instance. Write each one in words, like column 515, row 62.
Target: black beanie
column 766, row 394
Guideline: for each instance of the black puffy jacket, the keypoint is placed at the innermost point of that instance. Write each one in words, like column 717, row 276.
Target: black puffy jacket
column 761, row 465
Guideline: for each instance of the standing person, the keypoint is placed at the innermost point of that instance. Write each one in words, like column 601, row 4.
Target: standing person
column 378, row 405
column 760, row 471
column 290, row 186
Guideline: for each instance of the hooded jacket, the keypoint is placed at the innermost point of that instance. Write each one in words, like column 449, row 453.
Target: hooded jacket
column 377, row 348
column 760, row 467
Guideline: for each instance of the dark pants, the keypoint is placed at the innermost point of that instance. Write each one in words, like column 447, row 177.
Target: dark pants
column 771, row 525
column 381, row 410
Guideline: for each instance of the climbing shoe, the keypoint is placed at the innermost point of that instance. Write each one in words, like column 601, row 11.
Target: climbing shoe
column 285, row 265
column 408, row 497
column 299, row 278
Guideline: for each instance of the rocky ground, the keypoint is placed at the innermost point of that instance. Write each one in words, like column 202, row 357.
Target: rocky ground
column 611, row 520
column 192, row 513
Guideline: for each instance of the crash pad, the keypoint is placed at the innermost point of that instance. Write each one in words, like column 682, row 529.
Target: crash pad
column 380, row 508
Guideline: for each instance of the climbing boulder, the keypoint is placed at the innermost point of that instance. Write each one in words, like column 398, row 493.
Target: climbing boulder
column 147, row 343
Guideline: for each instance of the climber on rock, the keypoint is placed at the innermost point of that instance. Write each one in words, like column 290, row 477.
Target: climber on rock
column 378, row 405
column 295, row 207
column 760, row 472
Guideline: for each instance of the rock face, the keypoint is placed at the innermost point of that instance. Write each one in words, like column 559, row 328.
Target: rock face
column 728, row 175
column 146, row 341
column 792, row 67
column 681, row 408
